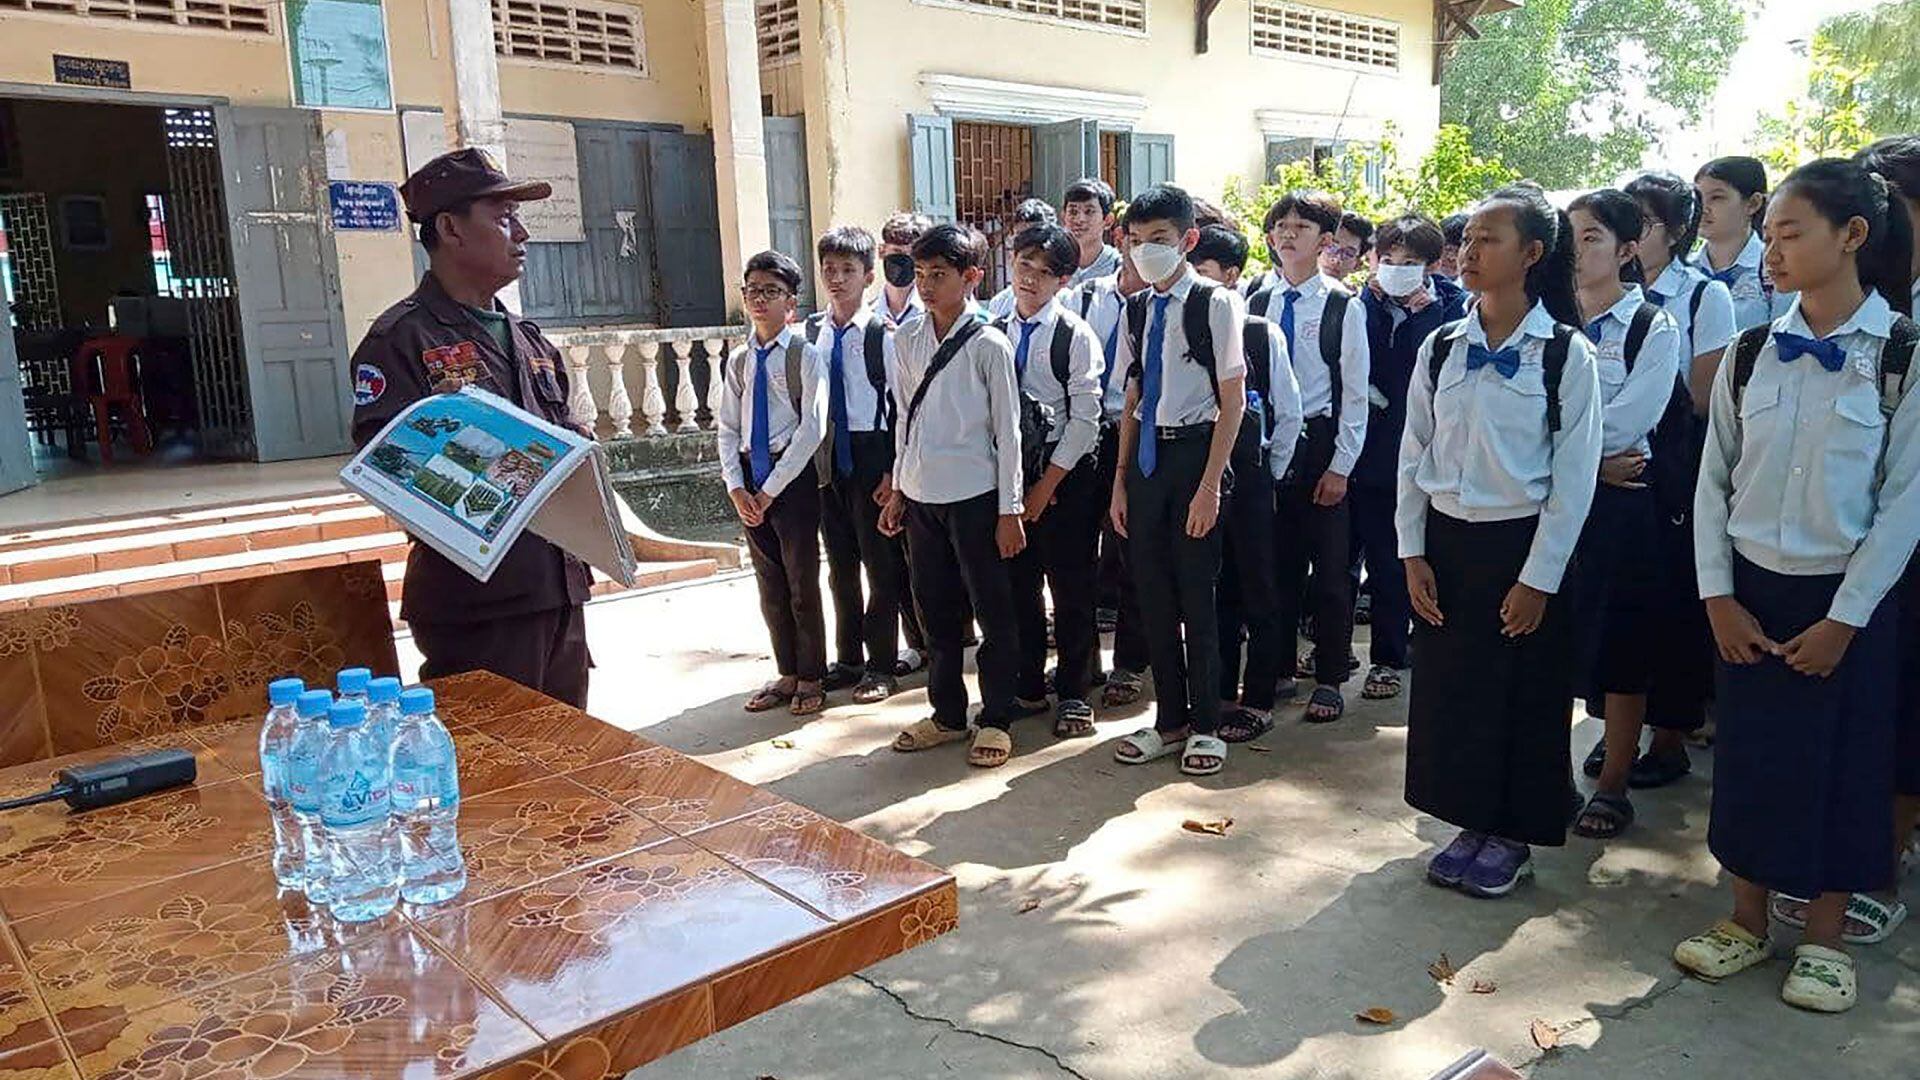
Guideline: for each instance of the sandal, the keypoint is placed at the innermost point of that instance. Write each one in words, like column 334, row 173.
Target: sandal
column 1241, row 725
column 1383, row 682
column 925, row 734
column 991, row 748
column 768, row 697
column 1208, row 751
column 1727, row 949
column 840, row 676
column 1123, row 689
column 872, row 689
column 1147, row 745
column 1822, row 980
column 1606, row 816
column 1073, row 720
column 1325, row 706
column 1306, row 669
column 1659, row 770
column 1869, row 921
column 806, row 702
column 909, row 662
column 1596, row 760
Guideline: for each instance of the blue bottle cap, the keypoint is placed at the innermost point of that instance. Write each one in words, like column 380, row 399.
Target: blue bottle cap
column 282, row 692
column 383, row 689
column 354, row 680
column 344, row 714
column 416, row 701
column 314, row 702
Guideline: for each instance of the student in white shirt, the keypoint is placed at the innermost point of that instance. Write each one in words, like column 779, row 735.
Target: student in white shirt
column 1352, row 242
column 1733, row 204
column 1807, row 515
column 898, row 301
column 1086, row 212
column 768, row 430
column 1325, row 327
column 1617, row 592
column 1058, row 363
column 1497, row 471
column 1029, row 213
column 956, row 491
column 1184, row 404
column 1249, row 607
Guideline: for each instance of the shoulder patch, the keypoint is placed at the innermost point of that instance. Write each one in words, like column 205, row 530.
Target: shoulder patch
column 369, row 384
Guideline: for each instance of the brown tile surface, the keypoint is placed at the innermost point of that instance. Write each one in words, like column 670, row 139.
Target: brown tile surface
column 136, row 666
column 519, row 835
column 487, row 764
column 46, row 1061
column 23, row 719
column 310, row 624
column 576, row 949
column 233, row 745
column 562, row 737
column 18, row 780
column 611, row 1051
column 480, row 696
column 836, row 871
column 674, row 791
column 23, row 1019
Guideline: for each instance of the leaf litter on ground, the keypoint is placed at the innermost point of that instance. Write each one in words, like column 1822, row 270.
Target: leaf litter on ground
column 1211, row 828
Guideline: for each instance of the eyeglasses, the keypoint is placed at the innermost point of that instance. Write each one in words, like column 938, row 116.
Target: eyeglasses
column 1344, row 252
column 765, row 292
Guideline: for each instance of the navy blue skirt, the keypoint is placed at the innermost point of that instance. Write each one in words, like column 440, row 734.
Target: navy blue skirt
column 1802, row 791
column 1906, row 761
column 1616, row 588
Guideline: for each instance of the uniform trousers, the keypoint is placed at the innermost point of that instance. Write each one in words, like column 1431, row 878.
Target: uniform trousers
column 1371, row 514
column 1249, row 606
column 866, row 631
column 1060, row 555
column 1175, row 576
column 954, row 559
column 542, row 650
column 1306, row 533
column 786, row 566
column 1116, row 567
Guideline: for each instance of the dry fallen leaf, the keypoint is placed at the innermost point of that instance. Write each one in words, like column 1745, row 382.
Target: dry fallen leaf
column 1544, row 1035
column 1482, row 986
column 783, row 744
column 1442, row 970
column 1376, row 1015
column 1259, row 749
column 1028, row 905
column 1214, row 828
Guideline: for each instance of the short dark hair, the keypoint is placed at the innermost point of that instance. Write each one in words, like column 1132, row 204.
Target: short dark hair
column 1054, row 243
column 1320, row 207
column 905, row 228
column 959, row 246
column 849, row 240
column 1206, row 213
column 1359, row 227
column 1228, row 247
column 1162, row 202
column 1453, row 229
column 1035, row 212
column 779, row 264
column 1090, row 189
column 1422, row 238
column 429, row 231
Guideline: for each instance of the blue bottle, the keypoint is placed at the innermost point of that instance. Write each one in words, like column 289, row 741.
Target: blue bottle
column 426, row 803
column 383, row 707
column 276, row 749
column 308, row 745
column 353, row 806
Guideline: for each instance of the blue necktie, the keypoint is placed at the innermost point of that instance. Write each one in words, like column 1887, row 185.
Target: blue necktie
column 760, row 452
column 1506, row 361
column 1726, row 277
column 1020, row 354
column 1149, row 453
column 837, row 404
column 1596, row 329
column 1831, row 354
column 1286, row 317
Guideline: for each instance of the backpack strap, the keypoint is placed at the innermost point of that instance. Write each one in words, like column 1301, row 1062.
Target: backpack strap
column 1196, row 319
column 1260, row 299
column 1442, row 348
column 1637, row 332
column 956, row 340
column 873, row 349
column 1896, row 363
column 1258, row 347
column 1334, row 314
column 796, row 360
column 1553, row 363
column 813, row 325
column 1061, row 352
column 1693, row 304
column 1751, row 341
column 1137, row 329
column 1086, row 298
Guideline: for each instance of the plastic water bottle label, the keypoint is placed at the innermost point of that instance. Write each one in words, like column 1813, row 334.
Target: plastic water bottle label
column 303, row 781
column 352, row 799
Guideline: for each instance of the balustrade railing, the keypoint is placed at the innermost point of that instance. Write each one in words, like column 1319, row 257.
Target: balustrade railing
column 669, row 372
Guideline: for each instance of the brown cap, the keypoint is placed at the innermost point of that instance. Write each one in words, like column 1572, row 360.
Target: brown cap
column 461, row 176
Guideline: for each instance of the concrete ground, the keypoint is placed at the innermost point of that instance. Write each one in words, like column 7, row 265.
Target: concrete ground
column 1156, row 952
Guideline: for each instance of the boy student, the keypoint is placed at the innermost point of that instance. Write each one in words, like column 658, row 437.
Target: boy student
column 898, row 300
column 1326, row 332
column 1264, row 450
column 1453, row 230
column 1186, row 379
column 772, row 413
column 1057, row 361
column 1030, row 213
column 956, row 491
column 1087, row 213
column 852, row 340
column 1352, row 243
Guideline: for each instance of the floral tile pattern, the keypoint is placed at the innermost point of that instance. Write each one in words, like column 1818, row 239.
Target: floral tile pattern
column 520, row 835
column 673, row 791
column 562, row 737
column 830, row 868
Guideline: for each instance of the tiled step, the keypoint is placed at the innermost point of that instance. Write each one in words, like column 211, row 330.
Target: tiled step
column 213, row 515
column 172, row 543
column 134, row 580
column 650, row 575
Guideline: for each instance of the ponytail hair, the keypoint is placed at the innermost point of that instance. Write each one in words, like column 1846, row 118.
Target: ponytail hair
column 1841, row 191
column 1619, row 213
column 1549, row 281
column 1743, row 174
column 1675, row 203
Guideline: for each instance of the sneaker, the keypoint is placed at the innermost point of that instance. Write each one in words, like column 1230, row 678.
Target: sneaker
column 1450, row 866
column 1499, row 868
column 841, row 676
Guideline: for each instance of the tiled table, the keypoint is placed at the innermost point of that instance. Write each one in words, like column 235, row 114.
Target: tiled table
column 623, row 901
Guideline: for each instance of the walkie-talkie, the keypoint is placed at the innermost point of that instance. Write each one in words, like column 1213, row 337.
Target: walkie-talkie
column 106, row 783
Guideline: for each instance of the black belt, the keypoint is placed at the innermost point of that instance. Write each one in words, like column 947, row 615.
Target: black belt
column 1184, row 432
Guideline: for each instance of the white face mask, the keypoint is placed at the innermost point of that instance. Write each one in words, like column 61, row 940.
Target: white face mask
column 1156, row 262
column 1400, row 280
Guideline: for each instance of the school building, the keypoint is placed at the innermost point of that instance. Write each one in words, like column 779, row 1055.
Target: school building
column 215, row 179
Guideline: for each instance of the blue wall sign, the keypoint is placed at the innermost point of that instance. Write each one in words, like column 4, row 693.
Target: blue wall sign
column 364, row 207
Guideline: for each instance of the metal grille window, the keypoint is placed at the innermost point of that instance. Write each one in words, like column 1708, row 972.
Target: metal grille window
column 580, row 33
column 234, row 16
column 778, row 25
column 27, row 275
column 1318, row 34
column 1114, row 14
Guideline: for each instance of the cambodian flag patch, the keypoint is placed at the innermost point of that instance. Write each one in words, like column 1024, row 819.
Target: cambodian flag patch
column 369, row 384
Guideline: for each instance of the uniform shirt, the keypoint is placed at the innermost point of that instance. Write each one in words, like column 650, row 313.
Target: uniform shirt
column 1105, row 264
column 1310, row 367
column 1001, row 305
column 1477, row 447
column 1803, row 476
column 1713, row 328
column 1746, row 279
column 1075, row 406
column 1632, row 403
column 915, row 308
column 965, row 441
column 866, row 407
column 793, row 438
column 1282, row 403
column 1186, row 394
column 1394, row 337
column 1106, row 313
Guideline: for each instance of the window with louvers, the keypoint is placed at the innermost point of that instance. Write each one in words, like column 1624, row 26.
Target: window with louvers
column 1312, row 33
column 777, row 23
column 1113, row 14
column 579, row 33
column 230, row 16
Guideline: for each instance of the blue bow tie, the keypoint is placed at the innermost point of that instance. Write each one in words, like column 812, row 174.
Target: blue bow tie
column 1726, row 277
column 1831, row 354
column 1506, row 361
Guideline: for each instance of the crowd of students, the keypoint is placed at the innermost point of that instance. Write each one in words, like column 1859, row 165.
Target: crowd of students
column 1652, row 452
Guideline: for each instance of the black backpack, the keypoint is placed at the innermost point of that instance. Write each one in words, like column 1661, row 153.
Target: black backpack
column 1194, row 322
column 1896, row 361
column 873, row 349
column 1675, row 439
column 1553, row 363
column 1037, row 426
column 1256, row 427
column 1335, row 313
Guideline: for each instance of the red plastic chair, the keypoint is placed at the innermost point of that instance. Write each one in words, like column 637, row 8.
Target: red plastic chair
column 104, row 373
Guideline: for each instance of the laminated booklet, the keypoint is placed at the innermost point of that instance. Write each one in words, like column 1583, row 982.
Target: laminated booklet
column 467, row 472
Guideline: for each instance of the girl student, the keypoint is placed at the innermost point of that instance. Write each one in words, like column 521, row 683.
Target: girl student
column 1733, row 204
column 1807, row 514
column 1617, row 590
column 1497, row 472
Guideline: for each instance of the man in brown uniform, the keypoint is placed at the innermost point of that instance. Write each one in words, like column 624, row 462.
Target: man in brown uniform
column 526, row 623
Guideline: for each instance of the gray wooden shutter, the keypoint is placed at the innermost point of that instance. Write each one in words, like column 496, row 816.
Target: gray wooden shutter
column 608, row 277
column 1062, row 153
column 1149, row 160
column 292, row 329
column 930, row 159
column 1284, row 150
column 686, row 218
column 789, row 221
column 16, row 447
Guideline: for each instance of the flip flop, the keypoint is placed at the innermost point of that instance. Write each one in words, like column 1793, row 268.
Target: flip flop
column 1612, row 813
column 1875, row 919
column 767, row 698
column 1123, row 689
column 807, row 702
column 1325, row 697
column 1243, row 725
column 1382, row 683
column 991, row 748
column 925, row 734
column 1073, row 720
column 1148, row 746
column 874, row 688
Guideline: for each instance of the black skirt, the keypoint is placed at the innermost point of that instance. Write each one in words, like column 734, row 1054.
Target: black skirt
column 1488, row 715
column 1906, row 760
column 1802, row 783
column 1616, row 593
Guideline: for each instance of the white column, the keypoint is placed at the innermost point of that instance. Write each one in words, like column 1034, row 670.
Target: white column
column 619, row 405
column 653, row 403
column 739, row 141
column 472, row 110
column 685, row 401
column 580, row 407
column 717, row 353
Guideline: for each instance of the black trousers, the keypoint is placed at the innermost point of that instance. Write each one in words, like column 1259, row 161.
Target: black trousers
column 1307, row 534
column 1116, row 570
column 1175, row 576
column 953, row 557
column 1248, row 601
column 786, row 565
column 1060, row 555
column 544, row 651
column 1371, row 515
column 866, row 633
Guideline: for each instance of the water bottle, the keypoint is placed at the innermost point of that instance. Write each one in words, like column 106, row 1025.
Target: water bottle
column 308, row 745
column 383, row 707
column 352, row 684
column 426, row 803
column 353, row 806
column 276, row 747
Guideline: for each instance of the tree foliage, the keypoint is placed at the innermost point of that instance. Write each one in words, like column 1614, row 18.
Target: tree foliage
column 1878, row 46
column 1829, row 120
column 1573, row 92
